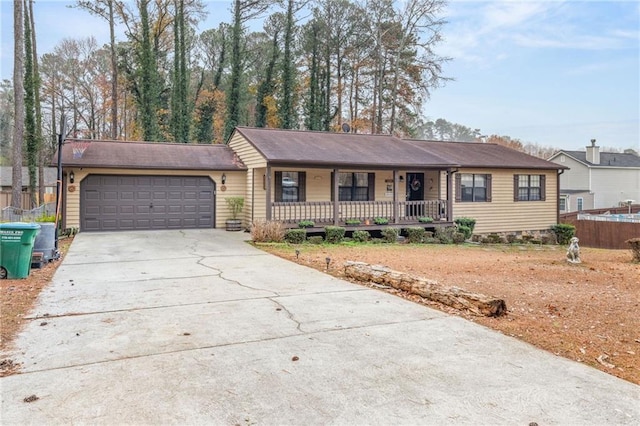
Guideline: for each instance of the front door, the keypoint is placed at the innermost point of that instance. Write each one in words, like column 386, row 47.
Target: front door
column 415, row 192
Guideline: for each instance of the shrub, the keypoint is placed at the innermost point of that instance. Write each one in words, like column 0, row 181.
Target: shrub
column 445, row 235
column 334, row 234
column 235, row 205
column 352, row 222
column 295, row 236
column 267, row 231
column 431, row 240
column 466, row 221
column 511, row 238
column 306, row 224
column 389, row 234
column 425, row 219
column 428, row 234
column 415, row 234
column 635, row 248
column 381, row 221
column 493, row 238
column 315, row 239
column 361, row 236
column 46, row 218
column 458, row 237
column 564, row 232
column 465, row 230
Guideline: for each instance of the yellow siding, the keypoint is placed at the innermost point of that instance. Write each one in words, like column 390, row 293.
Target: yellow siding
column 235, row 187
column 503, row 214
column 254, row 192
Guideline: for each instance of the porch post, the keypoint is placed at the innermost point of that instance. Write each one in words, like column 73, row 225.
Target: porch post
column 450, row 173
column 267, row 180
column 336, row 197
column 396, row 219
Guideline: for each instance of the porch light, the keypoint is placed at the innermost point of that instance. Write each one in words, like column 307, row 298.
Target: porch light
column 224, row 178
column 401, row 178
column 72, row 177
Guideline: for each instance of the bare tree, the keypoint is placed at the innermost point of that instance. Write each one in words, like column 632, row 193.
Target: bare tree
column 18, row 89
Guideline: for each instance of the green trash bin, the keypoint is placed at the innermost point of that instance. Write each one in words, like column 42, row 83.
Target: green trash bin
column 16, row 246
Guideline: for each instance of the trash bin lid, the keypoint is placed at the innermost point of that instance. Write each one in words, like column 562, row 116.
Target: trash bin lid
column 19, row 225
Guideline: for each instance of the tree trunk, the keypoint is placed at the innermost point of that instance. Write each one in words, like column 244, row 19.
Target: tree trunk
column 429, row 289
column 114, row 74
column 18, row 90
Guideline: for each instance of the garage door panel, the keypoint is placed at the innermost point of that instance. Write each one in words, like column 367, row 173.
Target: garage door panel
column 111, row 203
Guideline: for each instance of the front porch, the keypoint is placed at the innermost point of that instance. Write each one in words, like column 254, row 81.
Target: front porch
column 361, row 214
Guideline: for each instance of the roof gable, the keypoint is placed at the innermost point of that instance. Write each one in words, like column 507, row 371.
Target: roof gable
column 151, row 155
column 607, row 159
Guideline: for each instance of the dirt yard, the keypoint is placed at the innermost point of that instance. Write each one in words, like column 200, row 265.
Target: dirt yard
column 19, row 296
column 586, row 312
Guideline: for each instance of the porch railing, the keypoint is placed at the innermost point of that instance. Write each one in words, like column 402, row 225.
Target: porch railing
column 322, row 211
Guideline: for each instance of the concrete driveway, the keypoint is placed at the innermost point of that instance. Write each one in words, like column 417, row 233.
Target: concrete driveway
column 197, row 327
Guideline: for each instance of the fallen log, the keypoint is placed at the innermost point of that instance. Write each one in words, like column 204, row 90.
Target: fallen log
column 429, row 289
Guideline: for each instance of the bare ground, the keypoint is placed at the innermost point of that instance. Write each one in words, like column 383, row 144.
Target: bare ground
column 586, row 312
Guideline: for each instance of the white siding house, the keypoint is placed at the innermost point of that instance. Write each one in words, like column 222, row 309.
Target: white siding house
column 597, row 179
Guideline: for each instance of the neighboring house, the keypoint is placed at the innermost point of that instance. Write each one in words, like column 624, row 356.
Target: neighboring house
column 6, row 184
column 289, row 176
column 597, row 179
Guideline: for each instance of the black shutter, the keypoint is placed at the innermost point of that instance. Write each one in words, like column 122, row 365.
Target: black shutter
column 372, row 187
column 458, row 188
column 543, row 187
column 515, row 187
column 333, row 195
column 278, row 187
column 488, row 180
column 302, row 186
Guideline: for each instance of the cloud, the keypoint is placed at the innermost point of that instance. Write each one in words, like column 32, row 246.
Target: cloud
column 492, row 29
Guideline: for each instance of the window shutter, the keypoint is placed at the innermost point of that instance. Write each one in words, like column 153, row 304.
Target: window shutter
column 278, row 185
column 458, row 187
column 543, row 188
column 302, row 186
column 333, row 195
column 372, row 186
column 515, row 187
column 488, row 180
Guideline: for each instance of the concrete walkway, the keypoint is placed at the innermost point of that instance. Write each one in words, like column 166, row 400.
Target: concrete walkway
column 197, row 327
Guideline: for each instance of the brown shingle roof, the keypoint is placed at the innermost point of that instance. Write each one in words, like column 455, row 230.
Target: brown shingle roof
column 484, row 155
column 151, row 155
column 281, row 147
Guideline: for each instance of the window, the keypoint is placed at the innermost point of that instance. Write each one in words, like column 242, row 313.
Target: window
column 529, row 187
column 290, row 186
column 356, row 186
column 473, row 187
column 580, row 202
column 563, row 204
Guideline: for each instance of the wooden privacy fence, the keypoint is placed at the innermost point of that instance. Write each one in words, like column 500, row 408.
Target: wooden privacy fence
column 5, row 199
column 607, row 235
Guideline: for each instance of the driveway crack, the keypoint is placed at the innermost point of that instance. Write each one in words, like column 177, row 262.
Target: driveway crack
column 220, row 275
column 289, row 314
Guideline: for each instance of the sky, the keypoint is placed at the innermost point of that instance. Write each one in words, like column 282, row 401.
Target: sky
column 552, row 72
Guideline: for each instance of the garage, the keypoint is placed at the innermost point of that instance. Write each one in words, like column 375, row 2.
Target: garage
column 144, row 202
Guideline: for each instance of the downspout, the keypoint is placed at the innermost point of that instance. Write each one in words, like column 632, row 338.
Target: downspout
column 336, row 197
column 268, row 192
column 558, row 195
column 450, row 174
column 395, row 197
column 253, row 194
